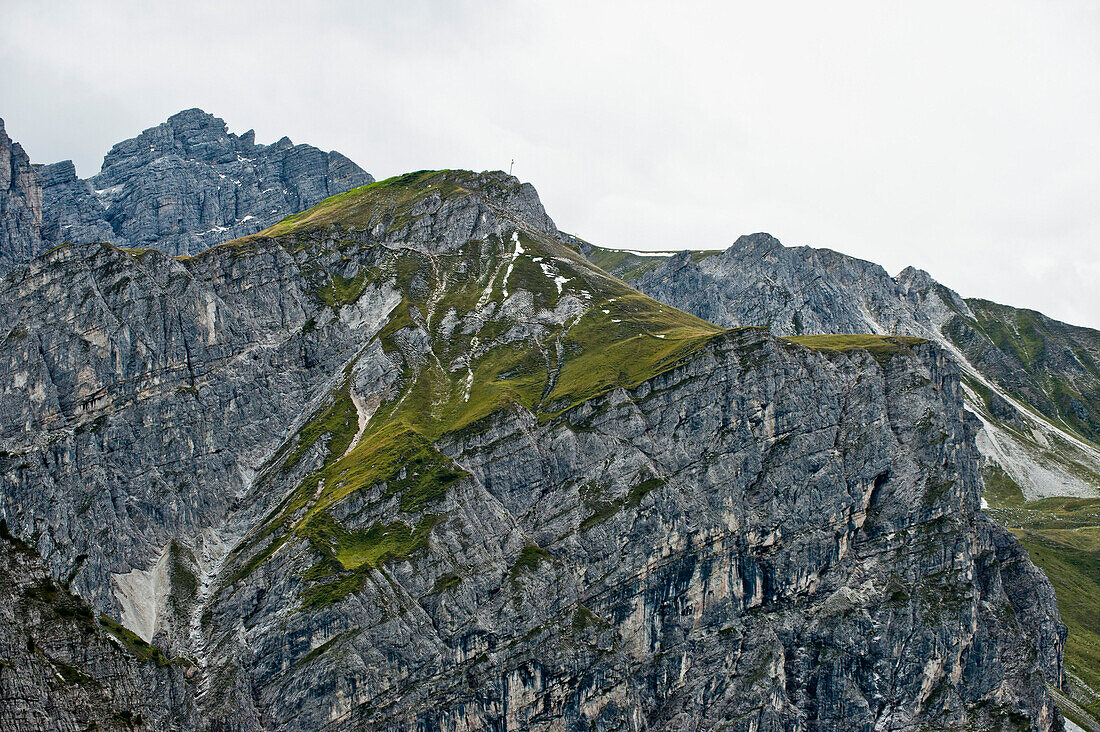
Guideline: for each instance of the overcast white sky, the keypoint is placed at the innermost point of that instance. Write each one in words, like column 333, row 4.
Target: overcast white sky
column 961, row 137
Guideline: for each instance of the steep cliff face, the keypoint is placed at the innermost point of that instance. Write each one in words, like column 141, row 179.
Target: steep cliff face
column 63, row 668
column 407, row 460
column 72, row 212
column 20, row 204
column 181, row 187
column 1033, row 382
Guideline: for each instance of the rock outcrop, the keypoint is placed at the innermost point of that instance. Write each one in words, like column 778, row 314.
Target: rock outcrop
column 407, row 461
column 20, row 205
column 72, row 213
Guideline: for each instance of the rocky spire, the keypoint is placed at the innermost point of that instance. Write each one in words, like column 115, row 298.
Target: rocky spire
column 20, row 204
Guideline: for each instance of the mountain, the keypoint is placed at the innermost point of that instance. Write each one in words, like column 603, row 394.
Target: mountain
column 407, row 460
column 182, row 187
column 1033, row 382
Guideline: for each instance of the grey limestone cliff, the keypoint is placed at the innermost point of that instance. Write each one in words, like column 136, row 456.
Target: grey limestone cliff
column 1032, row 382
column 407, row 461
column 64, row 668
column 1035, row 382
column 20, row 204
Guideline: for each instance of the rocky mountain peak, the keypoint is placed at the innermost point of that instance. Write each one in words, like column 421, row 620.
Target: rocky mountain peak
column 188, row 184
column 760, row 242
column 181, row 186
column 190, row 134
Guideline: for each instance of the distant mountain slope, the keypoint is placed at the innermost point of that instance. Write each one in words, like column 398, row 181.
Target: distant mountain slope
column 407, row 461
column 1046, row 364
column 182, row 187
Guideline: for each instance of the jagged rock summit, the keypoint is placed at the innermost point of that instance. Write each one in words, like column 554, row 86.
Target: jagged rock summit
column 407, row 460
column 20, row 204
column 181, row 187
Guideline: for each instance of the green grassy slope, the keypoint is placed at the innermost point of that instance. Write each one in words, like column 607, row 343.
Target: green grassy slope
column 1051, row 366
column 1062, row 536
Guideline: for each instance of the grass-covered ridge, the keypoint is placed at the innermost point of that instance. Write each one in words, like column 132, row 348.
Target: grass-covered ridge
column 628, row 266
column 881, row 347
column 391, row 201
column 625, row 265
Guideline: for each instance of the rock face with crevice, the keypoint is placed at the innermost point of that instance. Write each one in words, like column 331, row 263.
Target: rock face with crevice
column 408, row 461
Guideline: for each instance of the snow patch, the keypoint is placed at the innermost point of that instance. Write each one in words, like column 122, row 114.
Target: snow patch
column 515, row 253
column 549, row 271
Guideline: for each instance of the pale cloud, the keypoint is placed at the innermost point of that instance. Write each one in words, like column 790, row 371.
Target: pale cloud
column 960, row 137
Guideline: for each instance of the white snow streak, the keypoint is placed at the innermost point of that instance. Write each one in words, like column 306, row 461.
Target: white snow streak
column 515, row 253
column 469, row 370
